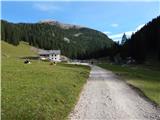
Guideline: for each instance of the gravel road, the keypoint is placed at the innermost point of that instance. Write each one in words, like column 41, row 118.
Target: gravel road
column 105, row 97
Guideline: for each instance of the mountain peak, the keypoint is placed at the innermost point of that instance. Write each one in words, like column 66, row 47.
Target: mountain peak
column 48, row 21
column 62, row 25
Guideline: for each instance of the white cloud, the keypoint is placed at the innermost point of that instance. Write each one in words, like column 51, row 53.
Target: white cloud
column 139, row 27
column 114, row 25
column 118, row 36
column 46, row 7
column 107, row 32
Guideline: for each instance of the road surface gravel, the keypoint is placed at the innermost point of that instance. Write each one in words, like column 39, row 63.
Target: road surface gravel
column 105, row 97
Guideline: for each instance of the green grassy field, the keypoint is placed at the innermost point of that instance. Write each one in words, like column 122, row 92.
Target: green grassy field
column 38, row 91
column 148, row 80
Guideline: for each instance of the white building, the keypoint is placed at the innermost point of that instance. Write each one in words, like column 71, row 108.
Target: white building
column 51, row 55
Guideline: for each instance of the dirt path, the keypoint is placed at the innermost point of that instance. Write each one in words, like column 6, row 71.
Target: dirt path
column 104, row 97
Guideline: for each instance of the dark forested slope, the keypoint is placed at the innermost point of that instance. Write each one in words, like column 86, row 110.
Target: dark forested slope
column 74, row 41
column 145, row 43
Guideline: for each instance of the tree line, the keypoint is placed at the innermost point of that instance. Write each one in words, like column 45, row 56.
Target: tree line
column 85, row 43
column 74, row 43
column 143, row 44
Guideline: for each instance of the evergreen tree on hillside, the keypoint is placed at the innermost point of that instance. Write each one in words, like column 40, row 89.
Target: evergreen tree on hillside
column 124, row 39
column 47, row 36
column 145, row 43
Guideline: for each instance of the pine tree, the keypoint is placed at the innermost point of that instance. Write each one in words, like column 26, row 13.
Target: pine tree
column 124, row 39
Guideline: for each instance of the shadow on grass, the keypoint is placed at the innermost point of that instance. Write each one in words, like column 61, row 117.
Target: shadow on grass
column 142, row 94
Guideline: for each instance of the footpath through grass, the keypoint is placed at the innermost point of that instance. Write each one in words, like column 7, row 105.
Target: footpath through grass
column 38, row 91
column 148, row 80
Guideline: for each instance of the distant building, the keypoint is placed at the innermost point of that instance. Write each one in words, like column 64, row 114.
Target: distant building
column 51, row 55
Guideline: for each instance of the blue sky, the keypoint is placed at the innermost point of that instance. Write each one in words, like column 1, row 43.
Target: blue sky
column 112, row 18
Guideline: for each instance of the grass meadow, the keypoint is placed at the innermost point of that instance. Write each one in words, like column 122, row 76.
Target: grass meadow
column 147, row 80
column 37, row 91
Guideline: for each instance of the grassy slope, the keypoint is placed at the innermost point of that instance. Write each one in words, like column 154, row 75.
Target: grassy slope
column 16, row 51
column 148, row 80
column 38, row 91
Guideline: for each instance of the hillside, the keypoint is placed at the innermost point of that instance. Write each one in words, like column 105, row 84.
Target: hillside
column 11, row 51
column 74, row 41
column 145, row 43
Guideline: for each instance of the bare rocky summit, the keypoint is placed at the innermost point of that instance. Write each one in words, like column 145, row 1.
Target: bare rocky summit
column 61, row 25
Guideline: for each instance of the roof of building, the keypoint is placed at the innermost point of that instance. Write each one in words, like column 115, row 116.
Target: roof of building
column 47, row 52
